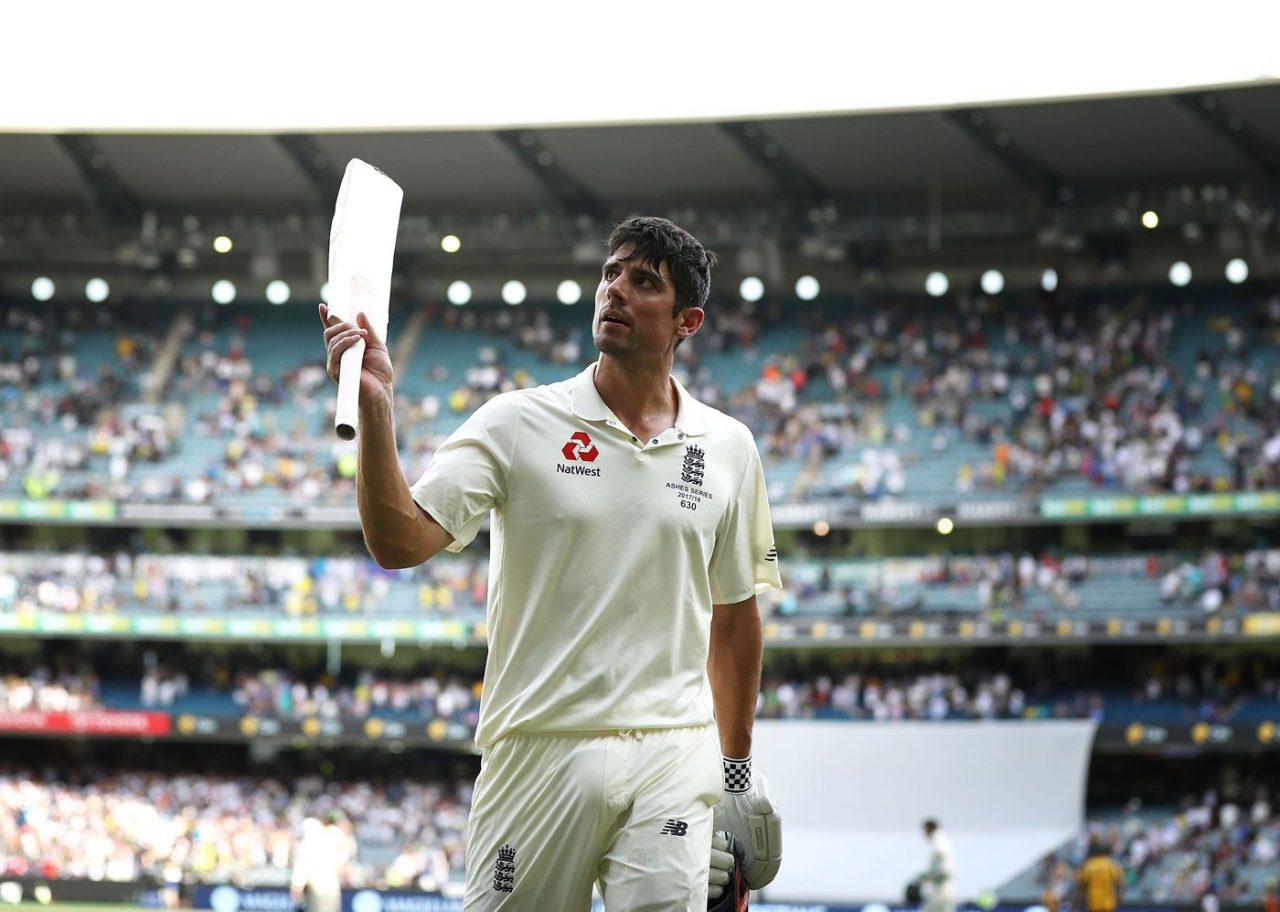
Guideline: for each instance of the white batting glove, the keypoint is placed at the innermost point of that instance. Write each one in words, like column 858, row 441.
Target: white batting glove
column 748, row 811
column 722, row 862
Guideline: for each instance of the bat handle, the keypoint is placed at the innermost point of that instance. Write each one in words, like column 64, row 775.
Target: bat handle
column 346, row 419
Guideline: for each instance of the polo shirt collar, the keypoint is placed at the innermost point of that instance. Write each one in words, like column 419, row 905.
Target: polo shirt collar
column 690, row 413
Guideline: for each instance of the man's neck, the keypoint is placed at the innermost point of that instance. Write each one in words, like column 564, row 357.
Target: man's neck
column 642, row 396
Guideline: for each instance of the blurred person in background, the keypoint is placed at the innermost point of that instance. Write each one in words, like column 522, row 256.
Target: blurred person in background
column 1101, row 880
column 937, row 881
column 318, row 864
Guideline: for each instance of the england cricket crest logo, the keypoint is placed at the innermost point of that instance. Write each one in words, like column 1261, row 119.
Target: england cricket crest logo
column 694, row 467
column 504, row 870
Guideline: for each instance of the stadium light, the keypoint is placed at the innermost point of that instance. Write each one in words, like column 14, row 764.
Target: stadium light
column 458, row 293
column 992, row 281
column 224, row 291
column 1180, row 274
column 751, row 289
column 278, row 291
column 450, row 243
column 324, row 292
column 1237, row 271
column 222, row 244
column 1150, row 219
column 514, row 292
column 1049, row 280
column 936, row 284
column 807, row 288
column 569, row 292
column 946, row 525
column 42, row 288
column 96, row 290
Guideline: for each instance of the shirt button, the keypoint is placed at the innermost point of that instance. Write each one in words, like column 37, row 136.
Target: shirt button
column 680, row 436
column 654, row 440
column 642, row 457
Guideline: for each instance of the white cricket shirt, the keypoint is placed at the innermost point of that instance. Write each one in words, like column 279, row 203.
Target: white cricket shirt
column 607, row 554
column 942, row 860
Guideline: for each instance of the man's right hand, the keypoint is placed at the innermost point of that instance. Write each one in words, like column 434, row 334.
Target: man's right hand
column 726, row 887
column 377, row 375
column 753, row 819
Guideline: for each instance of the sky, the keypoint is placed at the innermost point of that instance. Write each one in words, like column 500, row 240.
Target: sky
column 280, row 65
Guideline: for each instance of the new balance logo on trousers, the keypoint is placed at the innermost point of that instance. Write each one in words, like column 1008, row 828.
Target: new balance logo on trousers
column 675, row 828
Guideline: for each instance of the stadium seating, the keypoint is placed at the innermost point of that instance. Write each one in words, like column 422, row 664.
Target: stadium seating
column 1172, row 855
column 1156, row 689
column 121, row 825
column 1045, row 588
column 855, row 402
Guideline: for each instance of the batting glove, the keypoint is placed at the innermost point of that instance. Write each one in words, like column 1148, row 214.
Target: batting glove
column 748, row 811
column 726, row 889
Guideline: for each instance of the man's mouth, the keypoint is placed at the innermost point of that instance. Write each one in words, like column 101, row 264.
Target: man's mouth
column 613, row 318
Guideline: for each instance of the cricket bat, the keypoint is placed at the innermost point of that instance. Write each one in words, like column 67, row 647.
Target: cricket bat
column 362, row 244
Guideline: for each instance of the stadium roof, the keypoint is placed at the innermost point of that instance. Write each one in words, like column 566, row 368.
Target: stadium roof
column 884, row 162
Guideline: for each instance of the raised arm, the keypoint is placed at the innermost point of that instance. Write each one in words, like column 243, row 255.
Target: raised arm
column 397, row 531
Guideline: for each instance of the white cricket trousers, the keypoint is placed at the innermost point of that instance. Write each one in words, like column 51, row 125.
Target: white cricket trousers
column 326, row 900
column 553, row 814
column 940, row 900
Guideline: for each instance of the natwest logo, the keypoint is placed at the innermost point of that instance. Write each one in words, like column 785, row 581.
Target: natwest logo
column 580, row 447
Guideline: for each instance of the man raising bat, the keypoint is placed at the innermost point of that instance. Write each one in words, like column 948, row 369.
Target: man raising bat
column 630, row 533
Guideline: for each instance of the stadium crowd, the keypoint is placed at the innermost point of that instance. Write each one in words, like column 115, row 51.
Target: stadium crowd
column 189, row 682
column 65, row 415
column 1096, row 391
column 883, row 698
column 1189, row 688
column 291, row 586
column 278, row 693
column 1124, row 393
column 122, row 826
column 1036, row 586
column 1209, row 846
column 46, row 691
column 1214, row 582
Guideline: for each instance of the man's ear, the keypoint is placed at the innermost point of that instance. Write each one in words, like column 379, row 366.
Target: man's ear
column 690, row 320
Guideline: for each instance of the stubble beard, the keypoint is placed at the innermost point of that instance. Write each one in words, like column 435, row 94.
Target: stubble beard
column 613, row 347
column 616, row 345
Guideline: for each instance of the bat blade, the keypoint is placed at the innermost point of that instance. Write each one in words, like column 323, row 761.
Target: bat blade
column 362, row 244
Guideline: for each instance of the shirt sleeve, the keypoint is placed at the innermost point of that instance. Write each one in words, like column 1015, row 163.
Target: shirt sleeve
column 745, row 560
column 468, row 474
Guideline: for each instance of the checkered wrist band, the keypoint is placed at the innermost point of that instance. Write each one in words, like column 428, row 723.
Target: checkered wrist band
column 737, row 775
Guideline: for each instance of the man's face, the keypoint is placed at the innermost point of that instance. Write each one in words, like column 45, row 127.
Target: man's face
column 635, row 307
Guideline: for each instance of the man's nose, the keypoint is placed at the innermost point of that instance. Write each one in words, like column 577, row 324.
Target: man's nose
column 615, row 291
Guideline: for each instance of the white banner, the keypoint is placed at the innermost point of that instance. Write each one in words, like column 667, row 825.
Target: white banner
column 853, row 797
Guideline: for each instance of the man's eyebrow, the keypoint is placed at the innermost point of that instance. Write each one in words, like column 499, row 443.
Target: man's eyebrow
column 642, row 268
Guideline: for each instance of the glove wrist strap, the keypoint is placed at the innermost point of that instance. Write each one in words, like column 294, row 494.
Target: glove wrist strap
column 737, row 774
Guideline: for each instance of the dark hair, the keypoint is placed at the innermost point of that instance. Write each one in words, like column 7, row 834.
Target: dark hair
column 931, row 824
column 657, row 239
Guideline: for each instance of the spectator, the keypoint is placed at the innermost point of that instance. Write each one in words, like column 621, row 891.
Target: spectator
column 1101, row 881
